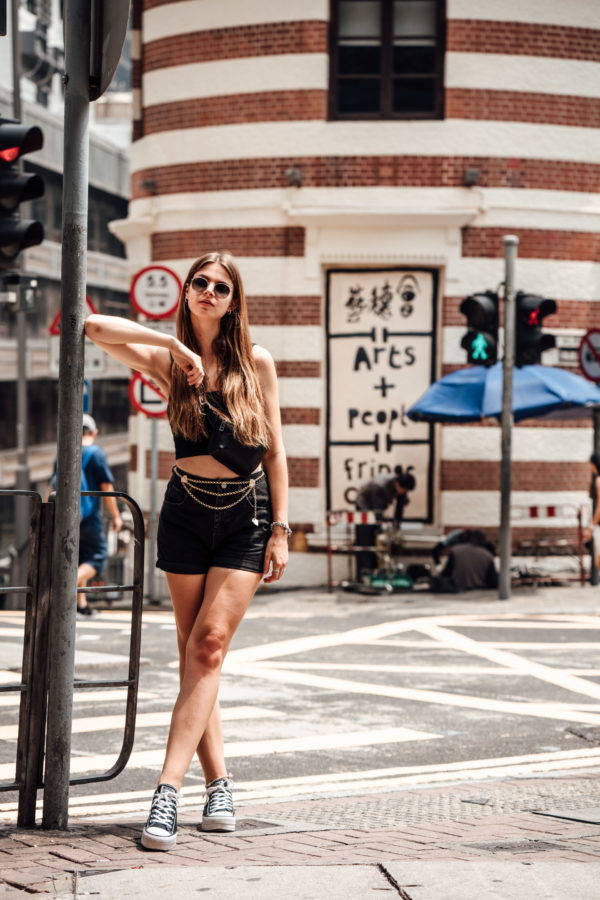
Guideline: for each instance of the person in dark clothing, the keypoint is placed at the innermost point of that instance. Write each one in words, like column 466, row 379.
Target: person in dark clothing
column 470, row 566
column 593, row 533
column 93, row 547
column 377, row 495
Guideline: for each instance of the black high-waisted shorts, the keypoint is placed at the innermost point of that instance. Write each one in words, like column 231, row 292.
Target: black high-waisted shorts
column 192, row 538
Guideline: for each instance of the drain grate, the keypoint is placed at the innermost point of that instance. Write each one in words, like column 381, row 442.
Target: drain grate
column 514, row 846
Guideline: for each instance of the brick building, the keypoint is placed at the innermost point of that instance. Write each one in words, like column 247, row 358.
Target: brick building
column 363, row 161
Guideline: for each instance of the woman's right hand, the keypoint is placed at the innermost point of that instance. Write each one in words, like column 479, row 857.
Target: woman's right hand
column 190, row 362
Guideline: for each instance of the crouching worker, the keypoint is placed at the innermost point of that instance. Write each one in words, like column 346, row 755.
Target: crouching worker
column 470, row 565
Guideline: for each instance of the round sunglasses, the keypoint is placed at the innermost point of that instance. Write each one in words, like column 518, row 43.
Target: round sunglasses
column 200, row 283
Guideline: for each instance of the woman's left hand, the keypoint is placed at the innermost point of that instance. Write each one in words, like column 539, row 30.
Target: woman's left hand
column 276, row 558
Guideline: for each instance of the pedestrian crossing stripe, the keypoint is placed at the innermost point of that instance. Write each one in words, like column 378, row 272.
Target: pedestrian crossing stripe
column 308, row 743
column 92, row 724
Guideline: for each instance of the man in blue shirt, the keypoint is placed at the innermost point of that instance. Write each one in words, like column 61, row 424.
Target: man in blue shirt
column 96, row 476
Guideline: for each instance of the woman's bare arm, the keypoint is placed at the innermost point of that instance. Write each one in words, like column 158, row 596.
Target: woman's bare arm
column 143, row 349
column 274, row 462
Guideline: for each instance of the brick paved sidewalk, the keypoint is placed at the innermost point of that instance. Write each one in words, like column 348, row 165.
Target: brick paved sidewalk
column 37, row 863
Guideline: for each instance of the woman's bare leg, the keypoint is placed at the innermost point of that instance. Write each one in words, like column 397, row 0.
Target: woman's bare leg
column 221, row 599
column 188, row 600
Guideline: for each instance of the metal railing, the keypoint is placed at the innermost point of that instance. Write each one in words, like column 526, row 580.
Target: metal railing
column 528, row 514
column 33, row 685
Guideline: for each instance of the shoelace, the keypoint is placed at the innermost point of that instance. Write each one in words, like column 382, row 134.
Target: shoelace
column 164, row 810
column 219, row 799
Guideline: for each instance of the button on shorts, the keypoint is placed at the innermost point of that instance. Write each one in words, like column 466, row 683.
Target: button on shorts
column 192, row 538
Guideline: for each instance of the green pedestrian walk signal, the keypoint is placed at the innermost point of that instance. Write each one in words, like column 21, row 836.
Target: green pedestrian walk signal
column 479, row 348
column 481, row 339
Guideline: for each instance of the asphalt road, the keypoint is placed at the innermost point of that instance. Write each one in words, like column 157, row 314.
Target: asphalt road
column 325, row 695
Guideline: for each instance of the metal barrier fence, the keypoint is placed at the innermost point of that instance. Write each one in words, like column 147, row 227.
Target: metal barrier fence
column 527, row 515
column 33, row 686
column 340, row 536
column 340, row 532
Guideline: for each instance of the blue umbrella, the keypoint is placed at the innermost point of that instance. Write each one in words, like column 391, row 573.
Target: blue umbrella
column 475, row 393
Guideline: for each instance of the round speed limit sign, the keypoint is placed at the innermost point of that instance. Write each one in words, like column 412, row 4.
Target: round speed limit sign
column 155, row 292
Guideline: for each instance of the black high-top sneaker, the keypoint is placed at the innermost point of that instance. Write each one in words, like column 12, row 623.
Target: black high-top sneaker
column 160, row 831
column 218, row 813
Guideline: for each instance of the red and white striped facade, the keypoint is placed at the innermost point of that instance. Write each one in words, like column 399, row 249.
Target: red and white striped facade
column 228, row 95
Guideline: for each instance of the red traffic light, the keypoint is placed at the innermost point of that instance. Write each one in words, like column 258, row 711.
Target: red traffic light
column 530, row 341
column 16, row 187
column 16, row 140
column 10, row 154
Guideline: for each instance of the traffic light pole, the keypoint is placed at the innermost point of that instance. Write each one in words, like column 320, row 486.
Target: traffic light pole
column 70, row 411
column 511, row 243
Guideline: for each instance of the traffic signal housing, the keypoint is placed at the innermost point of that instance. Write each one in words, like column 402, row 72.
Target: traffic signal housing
column 530, row 342
column 481, row 339
column 17, row 187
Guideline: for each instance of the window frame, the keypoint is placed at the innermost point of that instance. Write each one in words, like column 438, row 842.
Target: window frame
column 387, row 78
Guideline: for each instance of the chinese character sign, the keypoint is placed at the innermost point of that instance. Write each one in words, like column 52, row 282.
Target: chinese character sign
column 380, row 360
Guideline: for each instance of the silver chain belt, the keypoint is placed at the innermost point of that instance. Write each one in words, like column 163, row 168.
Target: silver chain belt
column 195, row 485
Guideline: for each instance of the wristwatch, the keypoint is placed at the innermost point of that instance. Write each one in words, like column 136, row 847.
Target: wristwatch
column 283, row 525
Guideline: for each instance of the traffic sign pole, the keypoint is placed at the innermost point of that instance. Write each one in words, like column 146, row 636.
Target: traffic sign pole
column 511, row 242
column 148, row 399
column 70, row 411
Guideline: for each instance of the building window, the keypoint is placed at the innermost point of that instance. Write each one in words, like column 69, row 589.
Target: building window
column 387, row 59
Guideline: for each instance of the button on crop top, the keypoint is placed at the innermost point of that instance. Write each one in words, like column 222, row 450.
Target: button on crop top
column 184, row 447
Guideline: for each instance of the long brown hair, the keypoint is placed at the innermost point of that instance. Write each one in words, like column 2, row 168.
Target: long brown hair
column 238, row 378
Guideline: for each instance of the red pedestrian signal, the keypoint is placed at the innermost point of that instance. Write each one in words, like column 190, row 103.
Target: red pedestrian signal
column 530, row 341
column 17, row 187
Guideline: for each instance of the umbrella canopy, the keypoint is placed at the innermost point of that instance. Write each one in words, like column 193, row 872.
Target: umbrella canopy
column 475, row 393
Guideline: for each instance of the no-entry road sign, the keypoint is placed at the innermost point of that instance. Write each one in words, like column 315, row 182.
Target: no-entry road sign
column 146, row 397
column 589, row 354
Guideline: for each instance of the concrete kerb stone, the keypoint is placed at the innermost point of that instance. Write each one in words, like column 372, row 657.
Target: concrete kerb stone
column 494, row 880
column 249, row 882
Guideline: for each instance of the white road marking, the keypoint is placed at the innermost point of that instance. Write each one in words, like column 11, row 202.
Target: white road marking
column 98, row 696
column 544, row 645
column 537, row 710
column 449, row 638
column 91, row 724
column 409, row 670
column 345, row 783
column 330, row 741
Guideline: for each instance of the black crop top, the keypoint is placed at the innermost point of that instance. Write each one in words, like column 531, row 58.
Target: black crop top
column 183, row 447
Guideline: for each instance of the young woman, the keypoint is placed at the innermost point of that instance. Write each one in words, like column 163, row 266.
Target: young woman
column 223, row 525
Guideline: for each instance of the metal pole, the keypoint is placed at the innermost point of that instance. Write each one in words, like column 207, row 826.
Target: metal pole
column 22, row 480
column 70, row 410
column 22, row 505
column 152, row 522
column 15, row 40
column 510, row 255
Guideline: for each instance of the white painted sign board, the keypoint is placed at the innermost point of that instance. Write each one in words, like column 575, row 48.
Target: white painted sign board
column 380, row 354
